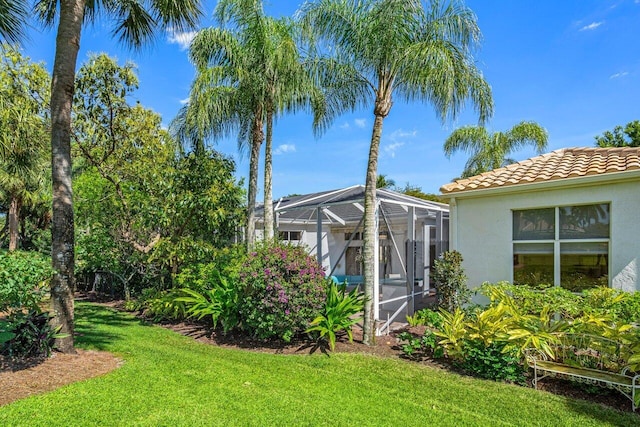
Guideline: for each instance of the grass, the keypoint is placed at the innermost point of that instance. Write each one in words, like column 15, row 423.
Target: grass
column 171, row 380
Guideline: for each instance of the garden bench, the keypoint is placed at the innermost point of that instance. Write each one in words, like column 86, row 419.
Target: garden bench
column 587, row 359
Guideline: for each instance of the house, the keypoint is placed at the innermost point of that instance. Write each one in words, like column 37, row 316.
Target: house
column 411, row 233
column 567, row 218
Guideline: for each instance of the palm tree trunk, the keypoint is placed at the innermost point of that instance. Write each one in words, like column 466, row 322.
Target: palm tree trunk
column 369, row 231
column 14, row 222
column 62, row 227
column 268, row 179
column 257, row 136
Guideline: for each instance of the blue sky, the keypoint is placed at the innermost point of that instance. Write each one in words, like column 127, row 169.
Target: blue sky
column 573, row 66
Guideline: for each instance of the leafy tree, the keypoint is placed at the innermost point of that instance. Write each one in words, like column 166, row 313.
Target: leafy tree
column 382, row 48
column 248, row 73
column 488, row 151
column 134, row 23
column 24, row 95
column 415, row 191
column 627, row 137
column 143, row 210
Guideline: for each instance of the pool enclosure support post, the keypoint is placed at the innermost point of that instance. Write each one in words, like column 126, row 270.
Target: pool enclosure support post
column 411, row 255
column 376, row 262
column 319, row 234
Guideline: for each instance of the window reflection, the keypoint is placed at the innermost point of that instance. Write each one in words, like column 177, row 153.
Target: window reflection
column 584, row 222
column 534, row 224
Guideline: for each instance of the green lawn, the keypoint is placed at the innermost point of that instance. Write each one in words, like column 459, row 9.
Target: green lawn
column 171, row 380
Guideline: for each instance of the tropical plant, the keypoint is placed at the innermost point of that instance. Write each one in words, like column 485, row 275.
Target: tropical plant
column 134, row 23
column 491, row 150
column 339, row 314
column 418, row 348
column 24, row 97
column 220, row 303
column 385, row 48
column 282, row 289
column 14, row 14
column 541, row 332
column 450, row 281
column 452, row 332
column 30, row 334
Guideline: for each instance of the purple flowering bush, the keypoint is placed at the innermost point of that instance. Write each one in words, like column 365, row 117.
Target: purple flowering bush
column 282, row 289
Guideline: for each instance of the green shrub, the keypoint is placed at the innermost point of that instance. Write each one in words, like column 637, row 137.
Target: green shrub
column 226, row 263
column 450, row 282
column 24, row 277
column 162, row 305
column 495, row 361
column 419, row 348
column 339, row 314
column 25, row 335
column 220, row 303
column 282, row 290
column 425, row 317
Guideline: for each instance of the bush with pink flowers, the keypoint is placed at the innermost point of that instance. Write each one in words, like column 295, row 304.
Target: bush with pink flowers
column 282, row 289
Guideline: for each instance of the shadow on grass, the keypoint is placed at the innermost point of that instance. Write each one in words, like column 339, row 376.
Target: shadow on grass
column 95, row 325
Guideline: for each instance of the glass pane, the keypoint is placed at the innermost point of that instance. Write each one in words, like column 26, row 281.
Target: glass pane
column 584, row 222
column 534, row 224
column 583, row 265
column 532, row 263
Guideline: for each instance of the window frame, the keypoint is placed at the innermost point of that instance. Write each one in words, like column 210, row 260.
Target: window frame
column 557, row 242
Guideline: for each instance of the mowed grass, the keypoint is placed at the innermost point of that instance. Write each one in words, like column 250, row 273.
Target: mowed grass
column 171, row 380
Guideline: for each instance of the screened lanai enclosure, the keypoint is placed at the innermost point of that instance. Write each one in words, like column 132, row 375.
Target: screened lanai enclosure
column 411, row 234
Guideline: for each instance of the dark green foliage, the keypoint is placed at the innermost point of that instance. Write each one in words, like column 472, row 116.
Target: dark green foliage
column 494, row 362
column 282, row 289
column 219, row 303
column 25, row 335
column 627, row 137
column 24, row 277
column 450, row 282
column 339, row 314
column 418, row 348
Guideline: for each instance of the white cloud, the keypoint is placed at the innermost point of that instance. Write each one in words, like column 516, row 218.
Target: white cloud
column 284, row 148
column 345, row 125
column 620, row 74
column 392, row 148
column 184, row 101
column 182, row 39
column 361, row 123
column 591, row 26
column 397, row 134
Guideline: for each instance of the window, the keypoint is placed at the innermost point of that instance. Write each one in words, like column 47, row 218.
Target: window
column 353, row 236
column 290, row 236
column 566, row 246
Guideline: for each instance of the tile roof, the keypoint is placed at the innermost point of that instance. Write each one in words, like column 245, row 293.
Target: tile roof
column 557, row 165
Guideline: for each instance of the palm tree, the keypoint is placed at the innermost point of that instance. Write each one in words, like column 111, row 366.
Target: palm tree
column 13, row 14
column 386, row 48
column 134, row 23
column 24, row 94
column 246, row 76
column 383, row 182
column 490, row 151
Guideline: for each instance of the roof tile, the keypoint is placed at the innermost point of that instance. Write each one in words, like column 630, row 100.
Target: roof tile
column 559, row 164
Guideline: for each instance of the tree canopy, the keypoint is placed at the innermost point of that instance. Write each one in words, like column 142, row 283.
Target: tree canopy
column 629, row 136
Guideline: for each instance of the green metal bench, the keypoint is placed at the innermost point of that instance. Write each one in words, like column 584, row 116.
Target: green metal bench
column 587, row 359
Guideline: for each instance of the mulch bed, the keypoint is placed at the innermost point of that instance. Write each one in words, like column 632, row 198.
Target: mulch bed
column 21, row 379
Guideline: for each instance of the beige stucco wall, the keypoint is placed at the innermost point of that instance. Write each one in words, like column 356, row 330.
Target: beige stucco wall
column 481, row 227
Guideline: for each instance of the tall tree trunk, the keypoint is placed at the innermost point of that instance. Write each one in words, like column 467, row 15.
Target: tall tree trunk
column 14, row 222
column 268, row 179
column 257, row 136
column 62, row 246
column 381, row 110
column 369, row 232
